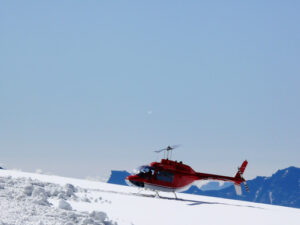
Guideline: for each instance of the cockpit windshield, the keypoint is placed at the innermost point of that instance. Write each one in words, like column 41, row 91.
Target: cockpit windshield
column 144, row 171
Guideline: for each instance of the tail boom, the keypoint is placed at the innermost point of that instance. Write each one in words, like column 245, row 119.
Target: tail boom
column 237, row 179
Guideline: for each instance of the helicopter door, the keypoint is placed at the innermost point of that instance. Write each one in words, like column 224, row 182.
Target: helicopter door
column 165, row 176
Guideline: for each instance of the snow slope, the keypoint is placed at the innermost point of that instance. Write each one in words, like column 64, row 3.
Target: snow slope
column 27, row 198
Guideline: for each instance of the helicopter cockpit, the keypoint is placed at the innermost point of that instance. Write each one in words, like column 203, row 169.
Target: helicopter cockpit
column 144, row 171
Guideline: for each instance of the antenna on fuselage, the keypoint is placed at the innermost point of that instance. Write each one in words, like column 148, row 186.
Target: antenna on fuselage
column 167, row 151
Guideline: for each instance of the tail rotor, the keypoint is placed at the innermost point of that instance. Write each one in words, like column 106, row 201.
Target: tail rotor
column 240, row 177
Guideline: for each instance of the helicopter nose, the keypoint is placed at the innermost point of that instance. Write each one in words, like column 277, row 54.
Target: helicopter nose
column 128, row 182
column 134, row 183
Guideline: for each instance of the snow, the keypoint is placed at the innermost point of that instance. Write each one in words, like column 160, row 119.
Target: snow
column 200, row 183
column 38, row 199
column 62, row 204
column 285, row 173
column 270, row 197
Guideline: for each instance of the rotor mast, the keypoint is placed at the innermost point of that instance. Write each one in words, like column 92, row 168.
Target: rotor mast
column 167, row 151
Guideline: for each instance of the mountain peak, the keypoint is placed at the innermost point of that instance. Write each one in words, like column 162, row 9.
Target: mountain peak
column 118, row 177
column 286, row 173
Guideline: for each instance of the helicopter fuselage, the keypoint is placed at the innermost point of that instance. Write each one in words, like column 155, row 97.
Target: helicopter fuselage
column 173, row 176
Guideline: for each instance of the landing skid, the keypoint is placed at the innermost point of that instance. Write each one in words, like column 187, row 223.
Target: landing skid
column 158, row 196
column 175, row 195
column 141, row 195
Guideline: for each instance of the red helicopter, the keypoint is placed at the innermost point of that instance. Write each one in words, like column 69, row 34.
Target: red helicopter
column 173, row 176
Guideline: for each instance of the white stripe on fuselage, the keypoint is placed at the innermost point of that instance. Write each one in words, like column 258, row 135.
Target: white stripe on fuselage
column 164, row 188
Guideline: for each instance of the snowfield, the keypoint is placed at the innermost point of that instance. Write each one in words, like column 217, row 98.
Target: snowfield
column 37, row 199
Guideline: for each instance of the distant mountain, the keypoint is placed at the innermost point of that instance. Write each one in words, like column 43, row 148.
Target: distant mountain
column 282, row 188
column 214, row 185
column 211, row 186
column 118, row 177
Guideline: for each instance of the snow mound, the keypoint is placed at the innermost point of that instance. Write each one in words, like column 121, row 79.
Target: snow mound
column 62, row 204
column 24, row 201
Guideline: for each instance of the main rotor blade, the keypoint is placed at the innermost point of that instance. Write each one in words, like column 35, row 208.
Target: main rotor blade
column 167, row 148
column 157, row 151
column 174, row 146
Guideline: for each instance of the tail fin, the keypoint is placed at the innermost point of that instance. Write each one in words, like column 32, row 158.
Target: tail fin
column 239, row 174
column 238, row 188
column 240, row 179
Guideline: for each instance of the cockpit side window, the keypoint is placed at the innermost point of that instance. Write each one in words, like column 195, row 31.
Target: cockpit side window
column 165, row 176
column 145, row 171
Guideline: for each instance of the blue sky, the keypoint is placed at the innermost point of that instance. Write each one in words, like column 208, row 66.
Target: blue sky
column 86, row 87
